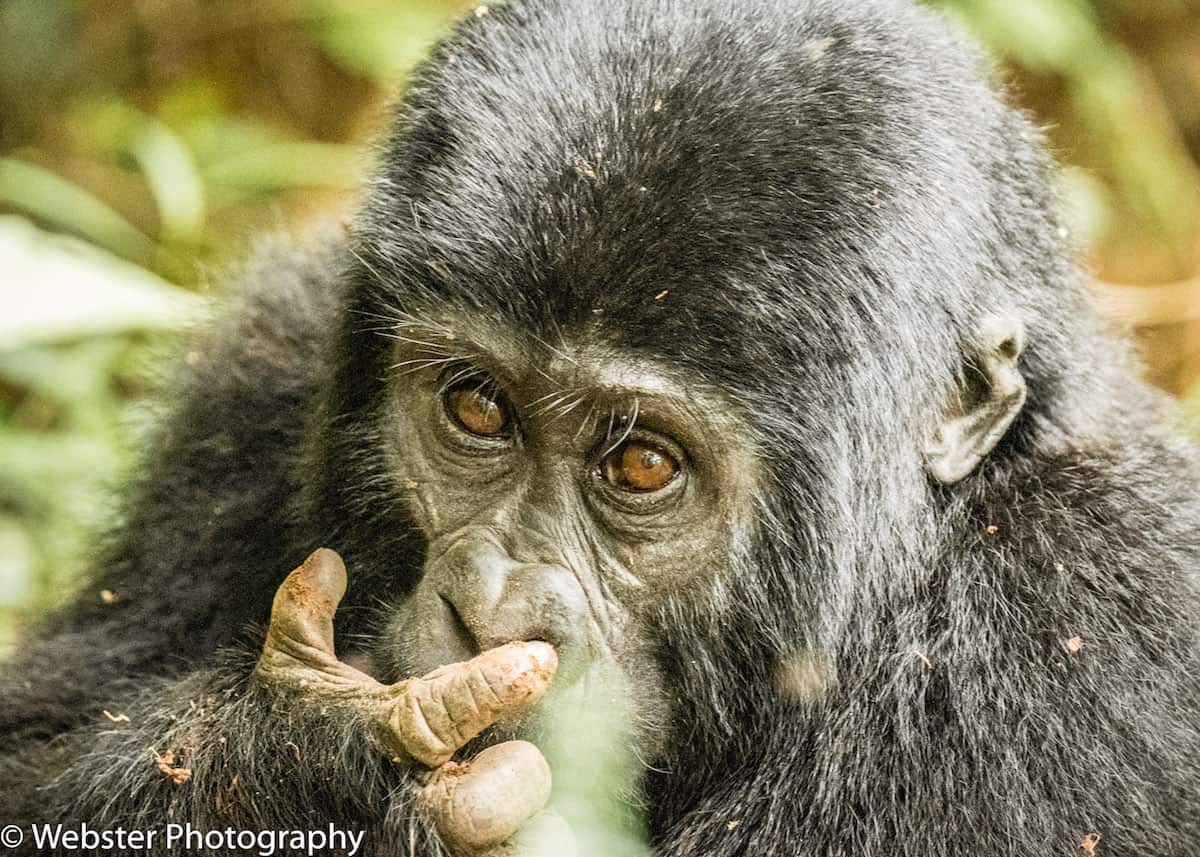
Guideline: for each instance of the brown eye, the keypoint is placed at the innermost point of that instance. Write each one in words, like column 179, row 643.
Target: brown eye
column 638, row 465
column 478, row 407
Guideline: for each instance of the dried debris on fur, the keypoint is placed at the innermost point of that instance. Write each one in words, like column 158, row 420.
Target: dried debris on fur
column 166, row 763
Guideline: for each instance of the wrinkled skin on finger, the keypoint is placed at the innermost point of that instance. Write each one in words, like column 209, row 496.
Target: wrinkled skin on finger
column 437, row 714
column 481, row 807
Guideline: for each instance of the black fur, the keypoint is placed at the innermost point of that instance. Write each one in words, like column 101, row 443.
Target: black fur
column 832, row 197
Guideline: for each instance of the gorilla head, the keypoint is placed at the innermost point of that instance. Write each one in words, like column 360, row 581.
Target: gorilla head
column 659, row 343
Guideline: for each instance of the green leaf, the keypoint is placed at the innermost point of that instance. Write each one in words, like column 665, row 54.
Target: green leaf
column 281, row 166
column 18, row 564
column 174, row 180
column 67, row 206
column 55, row 288
column 380, row 40
column 1042, row 35
column 1086, row 206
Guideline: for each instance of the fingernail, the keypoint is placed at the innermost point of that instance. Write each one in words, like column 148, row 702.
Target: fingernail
column 320, row 556
column 542, row 653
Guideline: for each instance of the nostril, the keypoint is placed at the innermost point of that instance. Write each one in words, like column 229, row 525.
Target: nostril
column 461, row 631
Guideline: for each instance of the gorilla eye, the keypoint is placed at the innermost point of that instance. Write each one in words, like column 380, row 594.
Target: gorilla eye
column 641, row 466
column 476, row 406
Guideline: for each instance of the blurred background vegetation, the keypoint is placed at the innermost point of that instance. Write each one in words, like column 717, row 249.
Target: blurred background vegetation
column 142, row 142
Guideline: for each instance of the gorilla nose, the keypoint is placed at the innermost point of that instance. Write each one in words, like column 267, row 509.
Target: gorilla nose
column 525, row 603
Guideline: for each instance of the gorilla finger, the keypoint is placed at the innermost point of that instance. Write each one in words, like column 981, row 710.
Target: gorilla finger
column 299, row 649
column 439, row 713
column 304, row 604
column 481, row 805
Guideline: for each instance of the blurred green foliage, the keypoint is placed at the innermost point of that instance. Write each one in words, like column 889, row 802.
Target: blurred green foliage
column 163, row 133
column 1119, row 80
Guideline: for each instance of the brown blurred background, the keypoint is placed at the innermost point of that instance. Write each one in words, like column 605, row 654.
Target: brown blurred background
column 143, row 142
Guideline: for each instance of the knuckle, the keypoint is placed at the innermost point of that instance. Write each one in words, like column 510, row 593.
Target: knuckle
column 422, row 738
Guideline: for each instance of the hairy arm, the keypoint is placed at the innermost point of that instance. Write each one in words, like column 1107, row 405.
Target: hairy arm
column 299, row 740
column 207, row 520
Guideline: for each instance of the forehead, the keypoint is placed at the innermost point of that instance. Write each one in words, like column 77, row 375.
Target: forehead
column 679, row 193
column 644, row 183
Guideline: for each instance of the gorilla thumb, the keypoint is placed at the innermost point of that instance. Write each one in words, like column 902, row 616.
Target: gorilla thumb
column 302, row 612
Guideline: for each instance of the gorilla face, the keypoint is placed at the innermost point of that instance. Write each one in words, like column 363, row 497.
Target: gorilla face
column 564, row 493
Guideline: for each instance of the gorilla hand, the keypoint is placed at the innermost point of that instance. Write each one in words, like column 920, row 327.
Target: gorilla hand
column 478, row 807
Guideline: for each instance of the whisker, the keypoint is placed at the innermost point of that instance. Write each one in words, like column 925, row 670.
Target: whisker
column 629, row 423
column 370, row 268
column 541, row 399
column 422, row 363
column 562, row 397
column 428, row 344
column 564, row 355
column 587, row 421
column 461, row 374
column 566, row 411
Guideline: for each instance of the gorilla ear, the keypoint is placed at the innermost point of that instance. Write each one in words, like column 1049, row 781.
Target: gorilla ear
column 982, row 408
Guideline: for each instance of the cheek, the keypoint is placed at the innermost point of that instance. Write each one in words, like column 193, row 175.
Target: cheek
column 440, row 493
column 662, row 570
column 410, row 470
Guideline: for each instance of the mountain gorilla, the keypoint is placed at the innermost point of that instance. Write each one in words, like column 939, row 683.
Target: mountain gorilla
column 727, row 350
